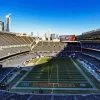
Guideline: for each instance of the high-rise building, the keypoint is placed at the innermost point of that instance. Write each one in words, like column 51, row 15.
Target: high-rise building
column 31, row 33
column 1, row 26
column 45, row 35
column 37, row 34
column 57, row 36
column 53, row 36
column 49, row 35
column 7, row 23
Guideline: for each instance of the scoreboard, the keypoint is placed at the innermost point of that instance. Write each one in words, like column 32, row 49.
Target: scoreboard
column 67, row 38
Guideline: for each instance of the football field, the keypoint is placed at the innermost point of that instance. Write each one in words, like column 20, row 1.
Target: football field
column 55, row 73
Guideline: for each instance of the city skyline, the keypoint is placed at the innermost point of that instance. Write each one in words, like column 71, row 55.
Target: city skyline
column 61, row 17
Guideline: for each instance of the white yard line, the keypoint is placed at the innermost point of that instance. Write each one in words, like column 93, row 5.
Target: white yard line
column 54, row 88
column 38, row 61
column 24, row 76
column 52, row 81
column 88, row 80
column 83, row 74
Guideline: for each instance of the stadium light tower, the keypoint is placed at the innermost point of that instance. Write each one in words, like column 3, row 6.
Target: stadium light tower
column 7, row 23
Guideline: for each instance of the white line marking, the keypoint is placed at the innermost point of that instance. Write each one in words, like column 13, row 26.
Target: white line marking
column 83, row 74
column 23, row 77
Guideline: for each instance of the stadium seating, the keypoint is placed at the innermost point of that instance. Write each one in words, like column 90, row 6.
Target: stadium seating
column 41, row 97
column 12, row 44
column 45, row 46
column 92, row 60
column 91, row 45
column 4, row 95
column 64, row 97
column 20, row 96
column 86, row 97
column 91, row 48
column 5, row 72
column 93, row 53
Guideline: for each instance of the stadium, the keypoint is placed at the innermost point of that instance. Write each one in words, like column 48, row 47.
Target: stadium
column 34, row 69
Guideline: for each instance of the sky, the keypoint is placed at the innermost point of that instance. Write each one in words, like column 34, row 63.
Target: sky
column 63, row 17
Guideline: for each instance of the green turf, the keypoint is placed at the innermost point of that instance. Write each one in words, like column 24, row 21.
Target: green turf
column 56, row 72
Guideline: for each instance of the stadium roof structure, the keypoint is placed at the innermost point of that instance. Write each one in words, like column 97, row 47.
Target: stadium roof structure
column 92, row 31
column 4, row 32
column 69, row 41
column 90, row 36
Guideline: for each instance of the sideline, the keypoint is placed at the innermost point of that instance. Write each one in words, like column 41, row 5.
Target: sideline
column 84, row 74
column 24, row 76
